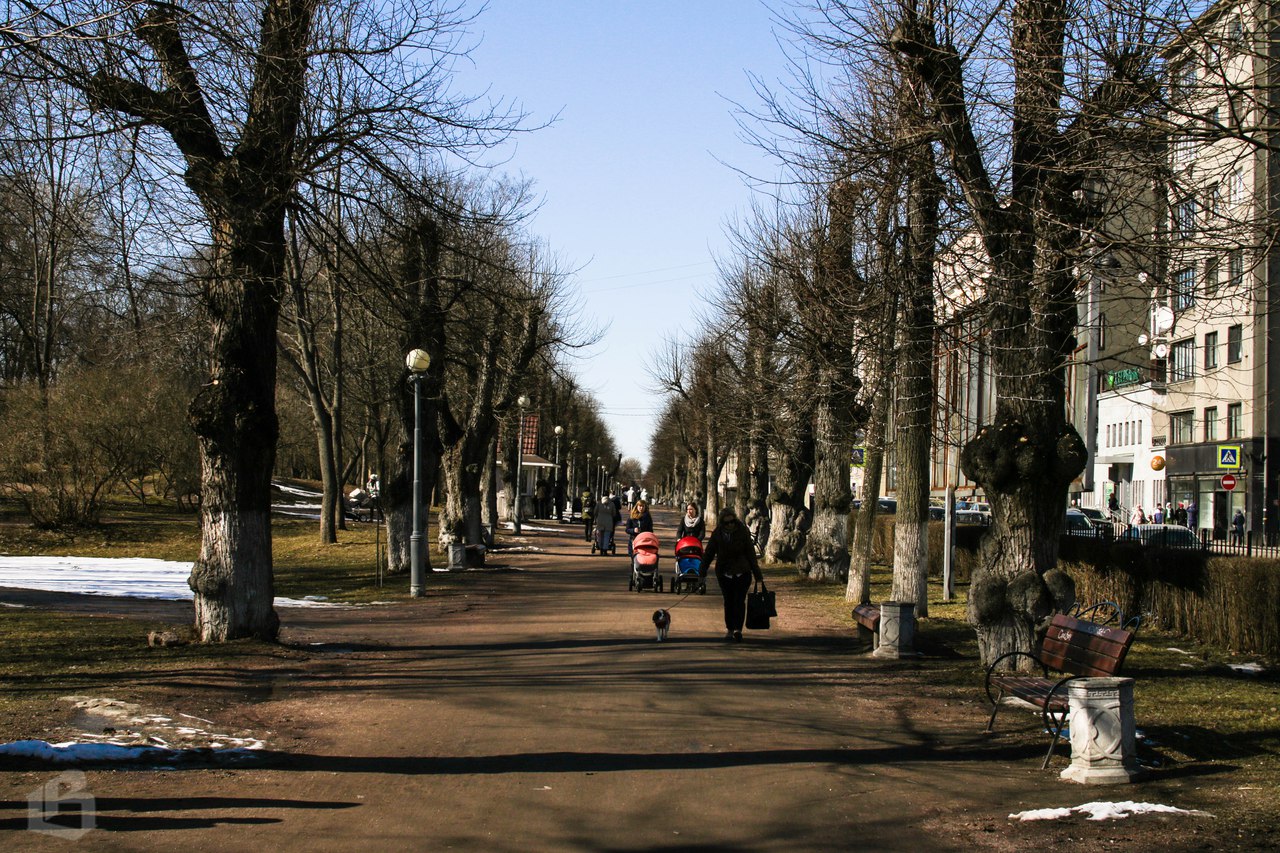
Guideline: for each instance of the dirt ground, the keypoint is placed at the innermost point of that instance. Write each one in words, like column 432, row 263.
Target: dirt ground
column 530, row 708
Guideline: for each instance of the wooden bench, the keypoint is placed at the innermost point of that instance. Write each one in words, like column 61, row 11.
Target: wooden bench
column 1072, row 647
column 867, row 616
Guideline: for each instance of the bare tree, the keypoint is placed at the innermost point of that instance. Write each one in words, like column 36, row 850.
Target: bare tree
column 225, row 89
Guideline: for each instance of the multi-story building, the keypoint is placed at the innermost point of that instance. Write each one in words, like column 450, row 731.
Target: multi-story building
column 1215, row 318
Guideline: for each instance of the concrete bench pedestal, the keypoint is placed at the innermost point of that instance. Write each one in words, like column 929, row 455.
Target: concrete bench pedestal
column 897, row 630
column 1103, row 740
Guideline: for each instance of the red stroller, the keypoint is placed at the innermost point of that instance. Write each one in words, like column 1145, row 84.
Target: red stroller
column 689, row 566
column 644, row 564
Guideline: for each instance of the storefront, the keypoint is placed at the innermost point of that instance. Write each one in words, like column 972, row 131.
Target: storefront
column 1196, row 472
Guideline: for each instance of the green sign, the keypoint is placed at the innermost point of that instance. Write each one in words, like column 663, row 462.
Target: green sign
column 1123, row 377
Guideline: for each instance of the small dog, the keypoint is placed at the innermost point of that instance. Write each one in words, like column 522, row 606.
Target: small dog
column 662, row 621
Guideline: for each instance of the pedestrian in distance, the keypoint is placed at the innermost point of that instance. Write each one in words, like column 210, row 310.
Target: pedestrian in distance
column 1157, row 515
column 588, row 513
column 1138, row 516
column 1193, row 515
column 606, row 517
column 731, row 550
column 1180, row 515
column 691, row 523
column 1237, row 528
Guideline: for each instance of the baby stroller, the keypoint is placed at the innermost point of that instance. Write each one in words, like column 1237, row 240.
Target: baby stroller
column 688, row 566
column 644, row 564
column 598, row 537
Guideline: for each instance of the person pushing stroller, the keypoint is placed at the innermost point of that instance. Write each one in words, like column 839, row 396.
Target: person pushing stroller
column 606, row 518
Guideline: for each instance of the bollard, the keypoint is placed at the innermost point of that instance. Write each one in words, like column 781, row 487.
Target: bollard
column 1103, row 740
column 897, row 630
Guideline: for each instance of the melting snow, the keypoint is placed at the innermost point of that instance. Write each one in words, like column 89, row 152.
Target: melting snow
column 509, row 525
column 1105, row 811
column 140, row 577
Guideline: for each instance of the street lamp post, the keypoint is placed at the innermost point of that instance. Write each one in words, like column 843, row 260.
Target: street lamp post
column 417, row 361
column 522, row 402
column 573, row 471
column 557, row 490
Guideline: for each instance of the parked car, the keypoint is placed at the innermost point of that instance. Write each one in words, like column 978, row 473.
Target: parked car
column 972, row 517
column 1078, row 524
column 1095, row 515
column 937, row 513
column 1162, row 536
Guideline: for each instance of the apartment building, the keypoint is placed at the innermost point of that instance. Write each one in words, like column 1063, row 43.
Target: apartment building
column 1214, row 318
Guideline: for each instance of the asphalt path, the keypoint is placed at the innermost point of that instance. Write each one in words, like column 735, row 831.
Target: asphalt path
column 531, row 708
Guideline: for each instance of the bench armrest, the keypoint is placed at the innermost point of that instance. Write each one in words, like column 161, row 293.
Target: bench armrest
column 1050, row 724
column 991, row 670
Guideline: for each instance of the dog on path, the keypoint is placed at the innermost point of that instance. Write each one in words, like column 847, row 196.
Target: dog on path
column 662, row 621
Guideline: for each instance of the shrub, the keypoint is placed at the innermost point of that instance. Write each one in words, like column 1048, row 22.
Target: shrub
column 1227, row 601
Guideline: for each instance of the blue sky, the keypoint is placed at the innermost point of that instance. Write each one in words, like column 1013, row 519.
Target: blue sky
column 634, row 196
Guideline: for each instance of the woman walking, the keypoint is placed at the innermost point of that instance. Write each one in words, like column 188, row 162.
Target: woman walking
column 692, row 524
column 639, row 522
column 730, row 548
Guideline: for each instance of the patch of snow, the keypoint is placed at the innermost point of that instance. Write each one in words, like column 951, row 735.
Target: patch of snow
column 10, row 604
column 294, row 490
column 1248, row 668
column 1179, row 651
column 1105, row 811
column 131, row 577
column 510, row 525
column 518, row 549
column 110, row 753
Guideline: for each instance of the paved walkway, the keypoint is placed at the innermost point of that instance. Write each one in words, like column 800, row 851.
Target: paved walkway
column 533, row 710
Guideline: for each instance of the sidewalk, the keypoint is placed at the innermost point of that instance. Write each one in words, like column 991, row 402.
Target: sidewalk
column 533, row 710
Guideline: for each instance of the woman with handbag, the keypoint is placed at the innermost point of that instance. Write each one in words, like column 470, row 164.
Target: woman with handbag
column 734, row 555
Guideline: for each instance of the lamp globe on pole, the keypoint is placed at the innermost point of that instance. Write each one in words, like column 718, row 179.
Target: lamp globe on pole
column 557, row 488
column 523, row 403
column 417, row 361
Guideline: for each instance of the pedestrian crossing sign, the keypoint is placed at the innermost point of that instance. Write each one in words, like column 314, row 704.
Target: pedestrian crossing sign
column 1229, row 455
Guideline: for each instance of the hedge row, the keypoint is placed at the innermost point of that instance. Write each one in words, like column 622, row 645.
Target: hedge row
column 1232, row 602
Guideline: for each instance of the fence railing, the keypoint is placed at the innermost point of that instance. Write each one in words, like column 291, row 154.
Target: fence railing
column 1249, row 544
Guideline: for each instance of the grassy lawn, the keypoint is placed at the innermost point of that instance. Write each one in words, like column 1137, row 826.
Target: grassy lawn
column 1196, row 713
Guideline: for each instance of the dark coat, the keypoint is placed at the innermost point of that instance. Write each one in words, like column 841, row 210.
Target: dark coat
column 731, row 549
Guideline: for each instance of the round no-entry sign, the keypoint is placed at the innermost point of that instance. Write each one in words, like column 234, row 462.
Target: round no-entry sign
column 1228, row 481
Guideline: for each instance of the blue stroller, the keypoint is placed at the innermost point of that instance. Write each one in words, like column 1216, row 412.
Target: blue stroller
column 688, row 566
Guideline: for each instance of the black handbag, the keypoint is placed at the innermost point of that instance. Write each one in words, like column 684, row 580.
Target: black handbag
column 761, row 604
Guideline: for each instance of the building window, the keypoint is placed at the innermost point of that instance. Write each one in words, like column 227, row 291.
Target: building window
column 1210, row 350
column 1182, row 426
column 1211, row 265
column 1235, row 344
column 1235, row 420
column 1235, row 186
column 1139, row 439
column 1211, row 423
column 1184, row 76
column 1102, row 331
column 1126, row 433
column 1184, row 217
column 1184, row 288
column 1182, row 360
column 1235, row 267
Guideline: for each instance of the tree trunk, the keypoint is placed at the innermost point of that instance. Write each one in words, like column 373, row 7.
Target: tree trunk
column 235, row 423
column 826, row 550
column 786, row 508
column 859, row 588
column 913, row 383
